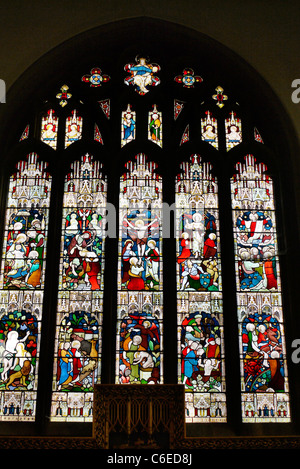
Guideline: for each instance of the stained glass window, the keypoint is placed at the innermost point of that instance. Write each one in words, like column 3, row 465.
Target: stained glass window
column 142, row 75
column 178, row 106
column 220, row 97
column 209, row 130
column 49, row 129
column 105, row 106
column 97, row 134
column 257, row 136
column 128, row 126
column 186, row 135
column 96, row 78
column 25, row 133
column 199, row 293
column 73, row 128
column 188, row 79
column 64, row 96
column 264, row 382
column 155, row 132
column 140, row 295
column 233, row 127
column 22, row 287
column 163, row 117
column 77, row 362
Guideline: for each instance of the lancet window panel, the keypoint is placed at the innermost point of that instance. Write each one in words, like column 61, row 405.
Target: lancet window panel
column 22, row 285
column 155, row 126
column 201, row 366
column 78, row 344
column 73, row 130
column 233, row 130
column 209, row 129
column 128, row 126
column 49, row 128
column 264, row 379
column 140, row 286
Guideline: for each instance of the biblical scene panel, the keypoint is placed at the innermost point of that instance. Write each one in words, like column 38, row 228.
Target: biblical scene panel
column 78, row 345
column 264, row 379
column 201, row 365
column 139, row 328
column 22, row 286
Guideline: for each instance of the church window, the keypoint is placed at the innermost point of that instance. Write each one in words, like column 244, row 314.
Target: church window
column 22, row 284
column 49, row 129
column 140, row 282
column 199, row 293
column 77, row 362
column 264, row 382
column 200, row 304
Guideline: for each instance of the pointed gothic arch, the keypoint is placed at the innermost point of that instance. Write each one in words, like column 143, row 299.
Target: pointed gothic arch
column 248, row 98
